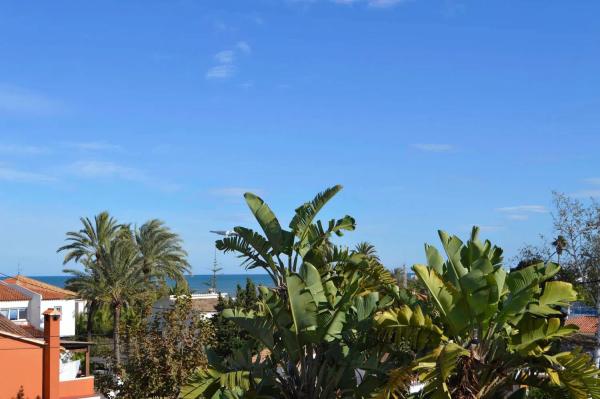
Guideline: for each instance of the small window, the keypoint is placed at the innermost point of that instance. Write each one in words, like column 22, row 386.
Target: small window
column 59, row 308
column 14, row 313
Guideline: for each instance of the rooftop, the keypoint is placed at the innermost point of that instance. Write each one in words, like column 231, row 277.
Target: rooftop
column 7, row 293
column 586, row 324
column 11, row 328
column 47, row 291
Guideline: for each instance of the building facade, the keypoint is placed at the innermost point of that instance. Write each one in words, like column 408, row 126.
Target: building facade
column 23, row 301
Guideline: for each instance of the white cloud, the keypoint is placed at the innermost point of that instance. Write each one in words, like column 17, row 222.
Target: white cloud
column 15, row 149
column 113, row 170
column 592, row 180
column 15, row 175
column 244, row 47
column 521, row 212
column 14, row 100
column 523, row 208
column 586, row 194
column 431, row 147
column 517, row 216
column 224, row 57
column 94, row 146
column 225, row 67
column 385, row 3
column 220, row 72
column 237, row 192
column 103, row 169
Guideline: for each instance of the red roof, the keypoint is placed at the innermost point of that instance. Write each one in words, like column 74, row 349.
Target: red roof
column 47, row 291
column 11, row 328
column 7, row 293
column 586, row 324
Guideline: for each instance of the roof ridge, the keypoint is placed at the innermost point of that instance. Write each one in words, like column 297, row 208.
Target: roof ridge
column 40, row 284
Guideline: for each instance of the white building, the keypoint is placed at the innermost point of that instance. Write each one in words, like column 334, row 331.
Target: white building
column 23, row 301
column 202, row 303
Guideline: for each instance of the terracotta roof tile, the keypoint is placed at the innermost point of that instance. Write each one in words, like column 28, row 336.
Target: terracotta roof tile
column 586, row 324
column 7, row 293
column 10, row 327
column 204, row 304
column 47, row 291
column 32, row 331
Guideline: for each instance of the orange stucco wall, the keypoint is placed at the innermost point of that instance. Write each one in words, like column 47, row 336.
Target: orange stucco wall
column 20, row 365
column 80, row 387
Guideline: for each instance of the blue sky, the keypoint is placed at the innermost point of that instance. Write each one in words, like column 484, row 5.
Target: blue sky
column 432, row 114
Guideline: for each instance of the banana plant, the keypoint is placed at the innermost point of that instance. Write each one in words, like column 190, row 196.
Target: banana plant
column 499, row 329
column 281, row 251
column 317, row 340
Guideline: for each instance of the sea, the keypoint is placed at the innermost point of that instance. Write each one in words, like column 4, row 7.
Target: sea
column 226, row 283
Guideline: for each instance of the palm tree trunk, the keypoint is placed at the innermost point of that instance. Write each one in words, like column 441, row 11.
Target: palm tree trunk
column 90, row 320
column 116, row 333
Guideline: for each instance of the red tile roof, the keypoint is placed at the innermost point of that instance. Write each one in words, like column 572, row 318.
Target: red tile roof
column 586, row 324
column 205, row 305
column 32, row 331
column 8, row 293
column 10, row 327
column 47, row 291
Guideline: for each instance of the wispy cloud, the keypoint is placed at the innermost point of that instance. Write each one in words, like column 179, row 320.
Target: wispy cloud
column 113, row 170
column 15, row 100
column 244, row 47
column 220, row 72
column 225, row 56
column 94, row 146
column 22, row 176
column 95, row 169
column 523, row 208
column 225, row 59
column 234, row 192
column 592, row 192
column 17, row 149
column 385, row 3
column 433, row 147
column 372, row 3
column 592, row 180
column 521, row 212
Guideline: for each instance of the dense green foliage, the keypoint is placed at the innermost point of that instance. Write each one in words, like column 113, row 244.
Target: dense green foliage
column 229, row 337
column 336, row 324
column 122, row 266
column 163, row 354
column 498, row 328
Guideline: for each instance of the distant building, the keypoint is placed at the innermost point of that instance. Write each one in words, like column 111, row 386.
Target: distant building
column 23, row 300
column 205, row 304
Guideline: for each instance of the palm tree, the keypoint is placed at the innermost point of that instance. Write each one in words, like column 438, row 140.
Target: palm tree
column 124, row 281
column 87, row 246
column 161, row 251
column 88, row 285
column 560, row 244
column 368, row 249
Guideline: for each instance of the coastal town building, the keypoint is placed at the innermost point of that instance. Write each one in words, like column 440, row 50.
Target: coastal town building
column 23, row 301
column 41, row 367
column 205, row 304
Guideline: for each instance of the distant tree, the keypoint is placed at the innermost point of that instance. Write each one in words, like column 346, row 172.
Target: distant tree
column 123, row 266
column 228, row 336
column 87, row 247
column 165, row 352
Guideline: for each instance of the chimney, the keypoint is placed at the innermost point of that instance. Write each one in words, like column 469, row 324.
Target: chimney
column 51, row 354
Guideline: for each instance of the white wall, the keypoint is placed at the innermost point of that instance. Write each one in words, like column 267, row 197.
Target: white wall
column 16, row 304
column 67, row 320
